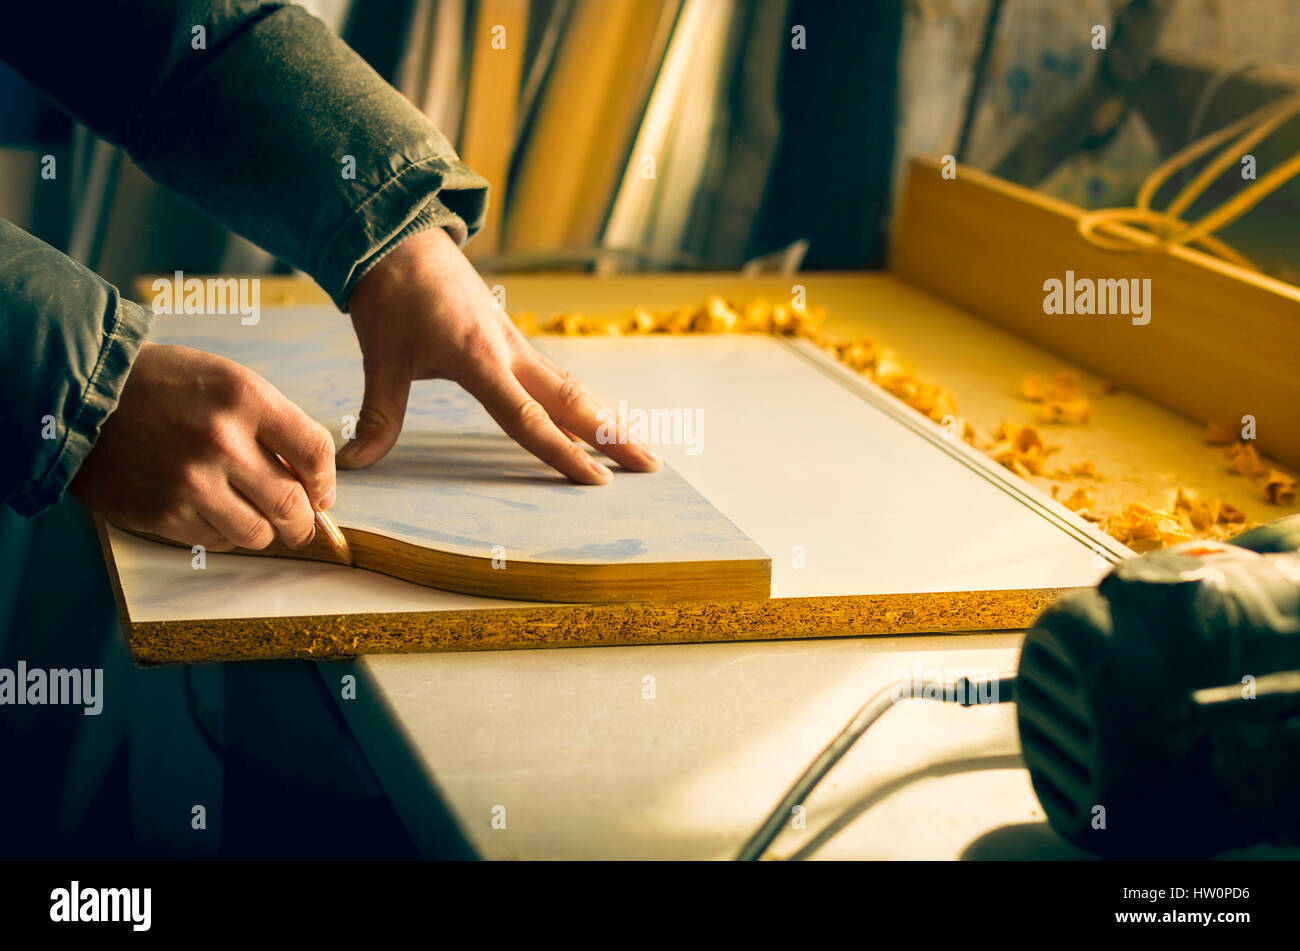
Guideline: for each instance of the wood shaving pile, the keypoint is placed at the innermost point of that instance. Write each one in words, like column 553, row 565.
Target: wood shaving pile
column 1019, row 447
column 718, row 315
column 1188, row 517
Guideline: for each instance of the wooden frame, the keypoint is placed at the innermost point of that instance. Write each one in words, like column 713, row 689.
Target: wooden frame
column 1222, row 342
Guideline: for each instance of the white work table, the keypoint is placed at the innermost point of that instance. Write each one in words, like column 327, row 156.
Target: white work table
column 587, row 767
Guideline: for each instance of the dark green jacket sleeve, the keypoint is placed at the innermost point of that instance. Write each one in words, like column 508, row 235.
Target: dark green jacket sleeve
column 256, row 112
column 68, row 340
column 259, row 115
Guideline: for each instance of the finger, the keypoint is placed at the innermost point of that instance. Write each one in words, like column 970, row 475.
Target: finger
column 209, row 537
column 188, row 528
column 305, row 444
column 526, row 422
column 236, row 519
column 279, row 497
column 573, row 408
column 383, row 409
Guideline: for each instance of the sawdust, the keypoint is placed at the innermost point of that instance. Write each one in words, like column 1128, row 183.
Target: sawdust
column 1019, row 447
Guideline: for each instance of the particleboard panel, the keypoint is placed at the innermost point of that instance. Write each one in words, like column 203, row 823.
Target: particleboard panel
column 459, row 505
column 875, row 524
column 1221, row 343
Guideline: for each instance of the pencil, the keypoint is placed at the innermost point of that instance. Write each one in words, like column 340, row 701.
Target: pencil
column 327, row 527
column 335, row 536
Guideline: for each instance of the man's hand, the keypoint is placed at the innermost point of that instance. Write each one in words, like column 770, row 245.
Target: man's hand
column 189, row 454
column 424, row 313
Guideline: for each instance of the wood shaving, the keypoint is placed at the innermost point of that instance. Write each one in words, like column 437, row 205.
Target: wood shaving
column 1063, row 388
column 1033, row 389
column 858, row 355
column 527, row 322
column 1216, row 434
column 756, row 317
column 1020, row 448
column 977, row 437
column 580, row 325
column 638, row 321
column 1279, row 488
column 1244, row 460
column 1204, row 515
column 717, row 317
column 1080, row 498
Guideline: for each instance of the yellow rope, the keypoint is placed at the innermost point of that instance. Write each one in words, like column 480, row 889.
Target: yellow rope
column 1167, row 228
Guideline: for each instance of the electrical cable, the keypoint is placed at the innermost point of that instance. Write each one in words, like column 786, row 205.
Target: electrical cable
column 1167, row 228
column 964, row 691
column 1212, row 88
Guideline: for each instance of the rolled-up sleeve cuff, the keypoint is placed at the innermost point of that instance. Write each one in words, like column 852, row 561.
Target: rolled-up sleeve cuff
column 82, row 420
column 429, row 193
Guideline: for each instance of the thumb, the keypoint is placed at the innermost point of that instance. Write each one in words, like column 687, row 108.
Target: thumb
column 383, row 409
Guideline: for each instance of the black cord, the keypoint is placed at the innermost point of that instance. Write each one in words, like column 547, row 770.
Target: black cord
column 205, row 731
column 965, row 691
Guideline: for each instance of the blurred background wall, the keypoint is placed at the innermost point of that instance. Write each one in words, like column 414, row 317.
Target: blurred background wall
column 631, row 134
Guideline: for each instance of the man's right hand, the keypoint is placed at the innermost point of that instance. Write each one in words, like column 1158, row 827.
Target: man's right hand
column 190, row 454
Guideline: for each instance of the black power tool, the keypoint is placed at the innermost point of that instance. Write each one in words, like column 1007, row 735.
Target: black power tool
column 1159, row 712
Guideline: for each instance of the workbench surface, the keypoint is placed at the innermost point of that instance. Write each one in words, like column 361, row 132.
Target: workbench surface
column 586, row 765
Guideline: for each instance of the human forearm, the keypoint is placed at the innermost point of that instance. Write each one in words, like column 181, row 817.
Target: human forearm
column 257, row 126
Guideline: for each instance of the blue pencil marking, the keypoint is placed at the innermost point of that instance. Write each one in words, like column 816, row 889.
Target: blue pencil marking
column 595, row 551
